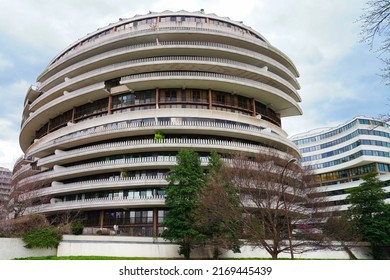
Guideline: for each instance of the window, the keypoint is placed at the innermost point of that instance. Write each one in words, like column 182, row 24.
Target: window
column 383, row 167
column 220, row 98
column 243, row 102
column 161, row 216
column 92, row 108
column 170, row 95
column 196, row 95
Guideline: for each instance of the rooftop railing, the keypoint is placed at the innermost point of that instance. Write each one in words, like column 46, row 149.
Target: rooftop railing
column 90, row 44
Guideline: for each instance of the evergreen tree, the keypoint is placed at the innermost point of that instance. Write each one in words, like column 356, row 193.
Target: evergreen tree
column 370, row 215
column 186, row 180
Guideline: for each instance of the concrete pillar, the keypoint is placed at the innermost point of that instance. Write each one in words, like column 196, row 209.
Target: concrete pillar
column 210, row 100
column 109, row 105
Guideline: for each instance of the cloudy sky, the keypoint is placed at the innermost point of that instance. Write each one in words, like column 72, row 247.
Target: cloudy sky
column 339, row 75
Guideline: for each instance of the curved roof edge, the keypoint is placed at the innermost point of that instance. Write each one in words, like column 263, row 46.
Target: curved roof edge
column 200, row 13
column 322, row 130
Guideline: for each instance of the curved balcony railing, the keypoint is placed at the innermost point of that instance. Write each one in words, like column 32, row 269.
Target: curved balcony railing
column 109, row 165
column 123, row 126
column 98, row 203
column 167, row 142
column 21, row 170
column 283, row 84
column 208, row 75
column 128, row 64
column 112, row 37
column 115, row 182
column 170, row 44
column 62, row 98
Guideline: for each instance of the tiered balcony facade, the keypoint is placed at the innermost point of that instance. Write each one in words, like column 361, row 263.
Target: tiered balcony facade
column 204, row 82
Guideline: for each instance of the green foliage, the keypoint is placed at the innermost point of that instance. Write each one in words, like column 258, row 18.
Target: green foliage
column 77, row 228
column 215, row 164
column 369, row 214
column 158, row 136
column 186, row 179
column 45, row 237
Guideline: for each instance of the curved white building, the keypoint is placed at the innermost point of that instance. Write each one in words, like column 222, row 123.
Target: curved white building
column 195, row 80
column 339, row 156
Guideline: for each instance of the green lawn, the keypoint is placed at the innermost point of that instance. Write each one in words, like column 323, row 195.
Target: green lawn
column 83, row 258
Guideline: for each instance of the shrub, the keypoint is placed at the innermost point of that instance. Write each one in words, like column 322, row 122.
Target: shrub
column 17, row 227
column 158, row 136
column 45, row 237
column 77, row 228
column 103, row 232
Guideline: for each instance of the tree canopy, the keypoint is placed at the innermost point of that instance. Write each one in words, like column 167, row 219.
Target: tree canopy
column 186, row 179
column 369, row 214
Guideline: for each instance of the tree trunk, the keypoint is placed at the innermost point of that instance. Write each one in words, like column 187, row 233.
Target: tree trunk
column 185, row 250
column 349, row 252
column 274, row 255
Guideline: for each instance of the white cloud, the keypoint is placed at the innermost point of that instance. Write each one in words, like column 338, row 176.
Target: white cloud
column 4, row 62
column 9, row 153
column 11, row 108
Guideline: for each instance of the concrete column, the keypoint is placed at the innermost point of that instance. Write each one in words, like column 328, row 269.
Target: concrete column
column 210, row 100
column 253, row 107
column 109, row 105
column 157, row 97
column 155, row 219
column 101, row 218
column 74, row 115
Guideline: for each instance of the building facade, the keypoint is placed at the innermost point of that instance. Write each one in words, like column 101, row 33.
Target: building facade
column 5, row 188
column 108, row 115
column 339, row 156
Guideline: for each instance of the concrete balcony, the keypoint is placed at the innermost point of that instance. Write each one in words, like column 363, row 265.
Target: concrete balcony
column 58, row 188
column 169, row 29
column 284, row 104
column 237, row 70
column 113, row 56
column 98, row 203
column 122, row 128
column 62, row 173
column 62, row 157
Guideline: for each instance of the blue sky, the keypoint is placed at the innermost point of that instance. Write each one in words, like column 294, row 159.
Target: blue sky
column 339, row 75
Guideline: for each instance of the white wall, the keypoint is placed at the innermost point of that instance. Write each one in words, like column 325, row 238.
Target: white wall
column 124, row 246
column 11, row 248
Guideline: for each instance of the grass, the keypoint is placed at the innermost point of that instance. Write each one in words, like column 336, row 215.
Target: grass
column 136, row 258
column 84, row 258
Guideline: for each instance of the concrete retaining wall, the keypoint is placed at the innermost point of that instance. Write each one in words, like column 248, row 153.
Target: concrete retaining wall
column 11, row 248
column 124, row 246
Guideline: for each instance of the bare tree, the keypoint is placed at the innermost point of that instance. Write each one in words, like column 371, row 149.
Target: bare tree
column 24, row 194
column 219, row 210
column 376, row 23
column 278, row 202
column 339, row 229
